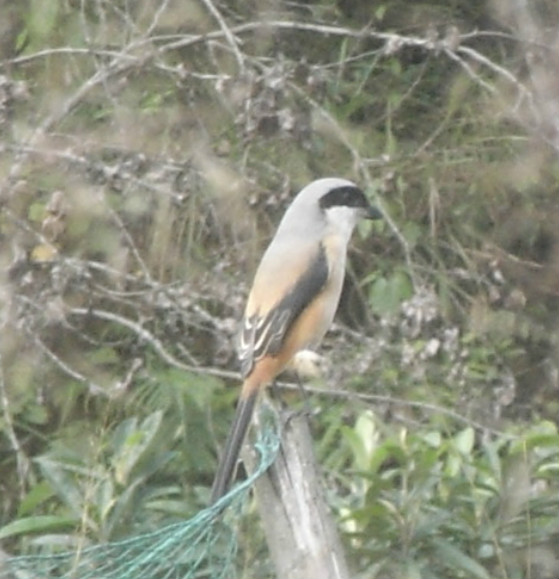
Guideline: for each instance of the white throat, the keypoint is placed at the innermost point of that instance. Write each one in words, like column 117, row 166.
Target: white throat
column 342, row 220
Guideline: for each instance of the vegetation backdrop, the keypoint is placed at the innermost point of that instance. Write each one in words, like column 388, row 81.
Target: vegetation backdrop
column 149, row 149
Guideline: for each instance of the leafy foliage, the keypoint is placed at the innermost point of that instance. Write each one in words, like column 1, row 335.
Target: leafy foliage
column 426, row 504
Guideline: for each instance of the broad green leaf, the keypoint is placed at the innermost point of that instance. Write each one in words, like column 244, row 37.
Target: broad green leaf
column 134, row 443
column 433, row 439
column 454, row 558
column 62, row 483
column 387, row 293
column 36, row 212
column 464, row 441
column 368, row 435
column 37, row 524
column 38, row 494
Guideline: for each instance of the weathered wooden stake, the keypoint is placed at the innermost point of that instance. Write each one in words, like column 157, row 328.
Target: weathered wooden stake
column 302, row 537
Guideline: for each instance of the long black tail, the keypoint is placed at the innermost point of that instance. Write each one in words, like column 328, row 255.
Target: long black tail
column 235, row 438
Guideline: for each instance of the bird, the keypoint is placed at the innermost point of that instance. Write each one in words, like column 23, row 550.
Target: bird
column 294, row 296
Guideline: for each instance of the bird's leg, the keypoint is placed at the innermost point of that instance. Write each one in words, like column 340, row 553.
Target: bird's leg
column 286, row 412
column 307, row 408
column 276, row 394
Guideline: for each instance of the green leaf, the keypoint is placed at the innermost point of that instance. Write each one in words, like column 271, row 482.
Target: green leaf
column 36, row 496
column 36, row 212
column 544, row 434
column 133, row 442
column 380, row 12
column 104, row 355
column 454, row 559
column 433, row 439
column 36, row 414
column 464, row 441
column 62, row 483
column 118, row 517
column 367, row 435
column 22, row 39
column 412, row 233
column 105, row 498
column 176, row 508
column 387, row 293
column 37, row 524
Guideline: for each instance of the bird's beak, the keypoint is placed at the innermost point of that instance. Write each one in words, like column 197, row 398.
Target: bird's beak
column 373, row 213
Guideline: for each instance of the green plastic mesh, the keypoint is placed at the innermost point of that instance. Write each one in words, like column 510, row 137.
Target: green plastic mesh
column 203, row 546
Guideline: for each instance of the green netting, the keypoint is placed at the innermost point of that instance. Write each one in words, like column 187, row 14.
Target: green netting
column 203, row 546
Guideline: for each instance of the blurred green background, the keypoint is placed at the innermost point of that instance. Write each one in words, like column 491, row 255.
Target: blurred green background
column 148, row 150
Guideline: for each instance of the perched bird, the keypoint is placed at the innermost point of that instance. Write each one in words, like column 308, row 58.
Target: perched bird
column 294, row 296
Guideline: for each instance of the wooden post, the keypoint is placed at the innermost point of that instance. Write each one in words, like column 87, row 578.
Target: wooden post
column 302, row 537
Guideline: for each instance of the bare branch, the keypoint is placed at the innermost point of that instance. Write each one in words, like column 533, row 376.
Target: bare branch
column 146, row 336
column 381, row 398
column 470, row 71
column 92, row 386
column 233, row 43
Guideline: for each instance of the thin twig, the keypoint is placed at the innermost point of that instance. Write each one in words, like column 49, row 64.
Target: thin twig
column 381, row 398
column 156, row 18
column 470, row 71
column 92, row 386
column 233, row 43
column 153, row 341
